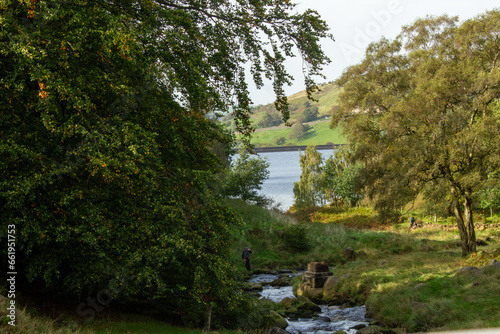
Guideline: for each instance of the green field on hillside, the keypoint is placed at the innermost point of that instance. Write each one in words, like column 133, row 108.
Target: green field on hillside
column 319, row 134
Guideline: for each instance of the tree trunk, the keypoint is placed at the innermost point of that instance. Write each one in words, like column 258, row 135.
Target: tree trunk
column 469, row 223
column 465, row 228
column 208, row 318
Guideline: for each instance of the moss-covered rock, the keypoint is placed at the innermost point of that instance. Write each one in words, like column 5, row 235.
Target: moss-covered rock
column 313, row 294
column 252, row 286
column 277, row 320
column 287, row 302
column 329, row 289
column 300, row 307
column 372, row 329
column 306, row 305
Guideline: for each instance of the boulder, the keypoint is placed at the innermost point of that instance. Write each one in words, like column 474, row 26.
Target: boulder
column 358, row 326
column 314, row 294
column 469, row 271
column 281, row 281
column 259, row 271
column 285, row 271
column 372, row 329
column 300, row 307
column 329, row 289
column 293, row 313
column 349, row 254
column 419, row 286
column 252, row 286
column 277, row 330
column 306, row 305
column 277, row 320
column 331, row 282
column 287, row 302
column 495, row 264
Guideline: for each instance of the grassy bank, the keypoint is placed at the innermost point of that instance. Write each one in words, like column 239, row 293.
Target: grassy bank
column 410, row 279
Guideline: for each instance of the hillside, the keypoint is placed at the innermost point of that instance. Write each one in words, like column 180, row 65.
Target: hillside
column 314, row 115
column 327, row 100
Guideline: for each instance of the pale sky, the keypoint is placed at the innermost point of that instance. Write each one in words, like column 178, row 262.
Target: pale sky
column 356, row 23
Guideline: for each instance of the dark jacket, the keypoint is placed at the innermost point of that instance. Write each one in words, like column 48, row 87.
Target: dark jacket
column 246, row 254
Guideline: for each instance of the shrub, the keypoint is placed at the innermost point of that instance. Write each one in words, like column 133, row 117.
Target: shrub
column 295, row 238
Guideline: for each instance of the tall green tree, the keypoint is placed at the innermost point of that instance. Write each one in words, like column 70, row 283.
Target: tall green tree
column 490, row 195
column 342, row 177
column 297, row 131
column 310, row 114
column 106, row 161
column 421, row 108
column 309, row 190
column 246, row 176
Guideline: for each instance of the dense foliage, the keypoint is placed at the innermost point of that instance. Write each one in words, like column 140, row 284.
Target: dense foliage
column 335, row 180
column 343, row 178
column 245, row 177
column 421, row 113
column 309, row 190
column 106, row 150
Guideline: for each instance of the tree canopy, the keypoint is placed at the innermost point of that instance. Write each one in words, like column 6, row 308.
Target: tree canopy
column 245, row 177
column 106, row 147
column 421, row 111
column 342, row 178
column 309, row 190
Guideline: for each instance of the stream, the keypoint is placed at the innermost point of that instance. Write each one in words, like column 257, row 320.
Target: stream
column 331, row 318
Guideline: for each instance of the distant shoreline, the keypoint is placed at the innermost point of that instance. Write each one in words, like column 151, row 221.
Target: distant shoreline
column 288, row 148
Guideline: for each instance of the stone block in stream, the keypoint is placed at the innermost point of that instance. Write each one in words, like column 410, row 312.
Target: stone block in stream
column 317, row 267
column 316, row 275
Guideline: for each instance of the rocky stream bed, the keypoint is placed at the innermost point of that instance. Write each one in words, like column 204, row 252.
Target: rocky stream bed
column 329, row 320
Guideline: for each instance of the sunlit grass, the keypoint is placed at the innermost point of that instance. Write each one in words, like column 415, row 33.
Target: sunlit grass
column 318, row 134
column 407, row 278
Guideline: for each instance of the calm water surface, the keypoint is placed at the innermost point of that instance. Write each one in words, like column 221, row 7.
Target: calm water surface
column 284, row 170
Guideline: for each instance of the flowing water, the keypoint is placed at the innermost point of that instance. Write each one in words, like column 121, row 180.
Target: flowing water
column 331, row 318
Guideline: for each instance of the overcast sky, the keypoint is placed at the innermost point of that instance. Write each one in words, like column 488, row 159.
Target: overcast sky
column 356, row 23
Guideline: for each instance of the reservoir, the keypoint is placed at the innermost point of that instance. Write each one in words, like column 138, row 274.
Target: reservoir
column 284, row 170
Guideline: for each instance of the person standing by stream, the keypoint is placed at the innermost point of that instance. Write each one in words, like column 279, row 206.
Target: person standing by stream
column 246, row 257
column 413, row 224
